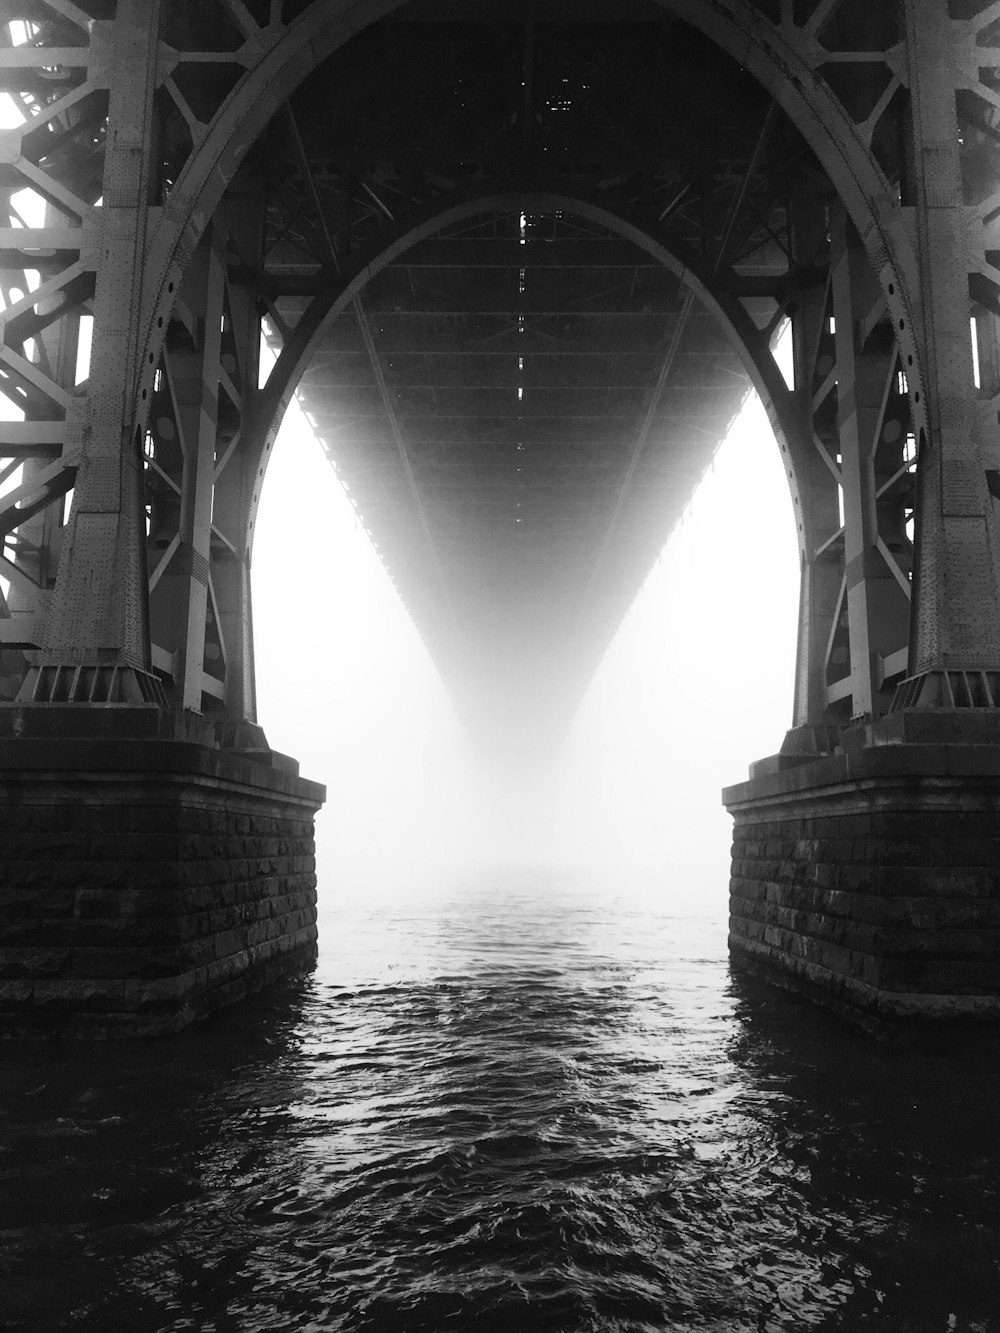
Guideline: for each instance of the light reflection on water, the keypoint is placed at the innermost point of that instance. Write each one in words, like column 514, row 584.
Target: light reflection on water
column 517, row 1104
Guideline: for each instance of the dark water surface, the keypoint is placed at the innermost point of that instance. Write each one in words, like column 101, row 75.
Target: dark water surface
column 527, row 1105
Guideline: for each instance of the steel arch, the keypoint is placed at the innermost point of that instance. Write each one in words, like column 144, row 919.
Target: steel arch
column 321, row 30
column 693, row 272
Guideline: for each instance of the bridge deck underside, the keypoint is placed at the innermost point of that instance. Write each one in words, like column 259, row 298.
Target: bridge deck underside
column 556, row 404
column 523, row 401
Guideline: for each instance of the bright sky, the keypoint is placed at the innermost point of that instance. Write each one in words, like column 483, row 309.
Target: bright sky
column 696, row 685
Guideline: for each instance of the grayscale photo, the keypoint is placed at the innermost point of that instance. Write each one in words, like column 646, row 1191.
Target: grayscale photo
column 500, row 666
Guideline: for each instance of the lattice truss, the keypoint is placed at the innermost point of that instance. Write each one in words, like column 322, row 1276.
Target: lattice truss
column 55, row 121
column 170, row 429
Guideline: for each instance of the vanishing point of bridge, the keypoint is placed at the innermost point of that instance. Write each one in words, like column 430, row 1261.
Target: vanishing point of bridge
column 522, row 259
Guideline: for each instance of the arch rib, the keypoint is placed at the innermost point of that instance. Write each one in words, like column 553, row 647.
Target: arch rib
column 763, row 48
column 698, row 276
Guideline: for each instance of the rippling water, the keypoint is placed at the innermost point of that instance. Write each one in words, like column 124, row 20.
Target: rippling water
column 515, row 1105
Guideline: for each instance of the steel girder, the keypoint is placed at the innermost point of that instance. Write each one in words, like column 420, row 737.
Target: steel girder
column 134, row 143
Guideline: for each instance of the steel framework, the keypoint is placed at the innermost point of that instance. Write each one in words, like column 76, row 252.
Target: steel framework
column 514, row 253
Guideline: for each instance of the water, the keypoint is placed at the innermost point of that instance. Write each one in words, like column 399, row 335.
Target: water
column 521, row 1104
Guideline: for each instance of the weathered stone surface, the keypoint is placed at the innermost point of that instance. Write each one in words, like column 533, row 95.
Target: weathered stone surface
column 147, row 883
column 871, row 880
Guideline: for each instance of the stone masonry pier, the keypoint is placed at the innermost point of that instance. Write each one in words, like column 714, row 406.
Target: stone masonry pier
column 870, row 879
column 149, row 876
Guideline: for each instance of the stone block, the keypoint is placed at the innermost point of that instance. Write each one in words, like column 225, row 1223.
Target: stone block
column 119, row 899
column 932, row 880
column 42, row 845
column 23, row 929
column 966, row 850
column 126, row 931
column 197, row 872
column 227, row 966
column 27, row 962
column 28, row 894
column 140, row 962
column 16, row 995
column 25, row 874
column 855, row 826
column 98, row 902
column 115, row 845
column 937, row 976
column 886, row 901
column 71, row 995
column 854, row 878
column 162, row 993
column 44, row 819
column 197, row 953
column 229, row 942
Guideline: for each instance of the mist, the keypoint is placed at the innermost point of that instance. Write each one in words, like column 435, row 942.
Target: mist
column 696, row 684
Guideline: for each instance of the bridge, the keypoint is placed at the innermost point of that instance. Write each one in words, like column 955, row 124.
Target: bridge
column 522, row 260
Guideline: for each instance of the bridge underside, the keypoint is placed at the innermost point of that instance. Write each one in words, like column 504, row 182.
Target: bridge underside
column 522, row 401
column 522, row 261
column 520, row 409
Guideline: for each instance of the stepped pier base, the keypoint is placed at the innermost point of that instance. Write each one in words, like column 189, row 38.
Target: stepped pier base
column 870, row 879
column 149, row 877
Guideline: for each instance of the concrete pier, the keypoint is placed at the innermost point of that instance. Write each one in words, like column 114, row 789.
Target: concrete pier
column 149, row 876
column 870, row 879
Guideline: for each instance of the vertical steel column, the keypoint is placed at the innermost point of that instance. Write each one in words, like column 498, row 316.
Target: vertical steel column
column 859, row 395
column 59, row 342
column 205, row 462
column 98, row 608
column 197, row 393
column 821, row 566
column 236, row 473
column 957, row 581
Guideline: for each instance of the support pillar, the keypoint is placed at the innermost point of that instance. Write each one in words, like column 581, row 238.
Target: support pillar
column 96, row 638
column 158, row 856
column 821, row 572
column 869, row 878
column 956, row 623
column 150, row 878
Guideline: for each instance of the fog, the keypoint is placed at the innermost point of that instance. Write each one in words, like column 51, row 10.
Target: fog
column 696, row 684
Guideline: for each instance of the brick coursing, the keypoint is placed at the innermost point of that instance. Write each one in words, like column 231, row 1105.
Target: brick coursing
column 134, row 904
column 882, row 900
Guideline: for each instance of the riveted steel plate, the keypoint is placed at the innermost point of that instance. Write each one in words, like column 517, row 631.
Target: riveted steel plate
column 98, row 485
column 963, row 486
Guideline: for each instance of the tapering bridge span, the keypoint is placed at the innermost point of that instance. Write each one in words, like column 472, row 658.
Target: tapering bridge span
column 522, row 260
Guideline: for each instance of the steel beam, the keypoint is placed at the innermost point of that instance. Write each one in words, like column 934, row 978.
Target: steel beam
column 97, row 613
column 957, row 602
